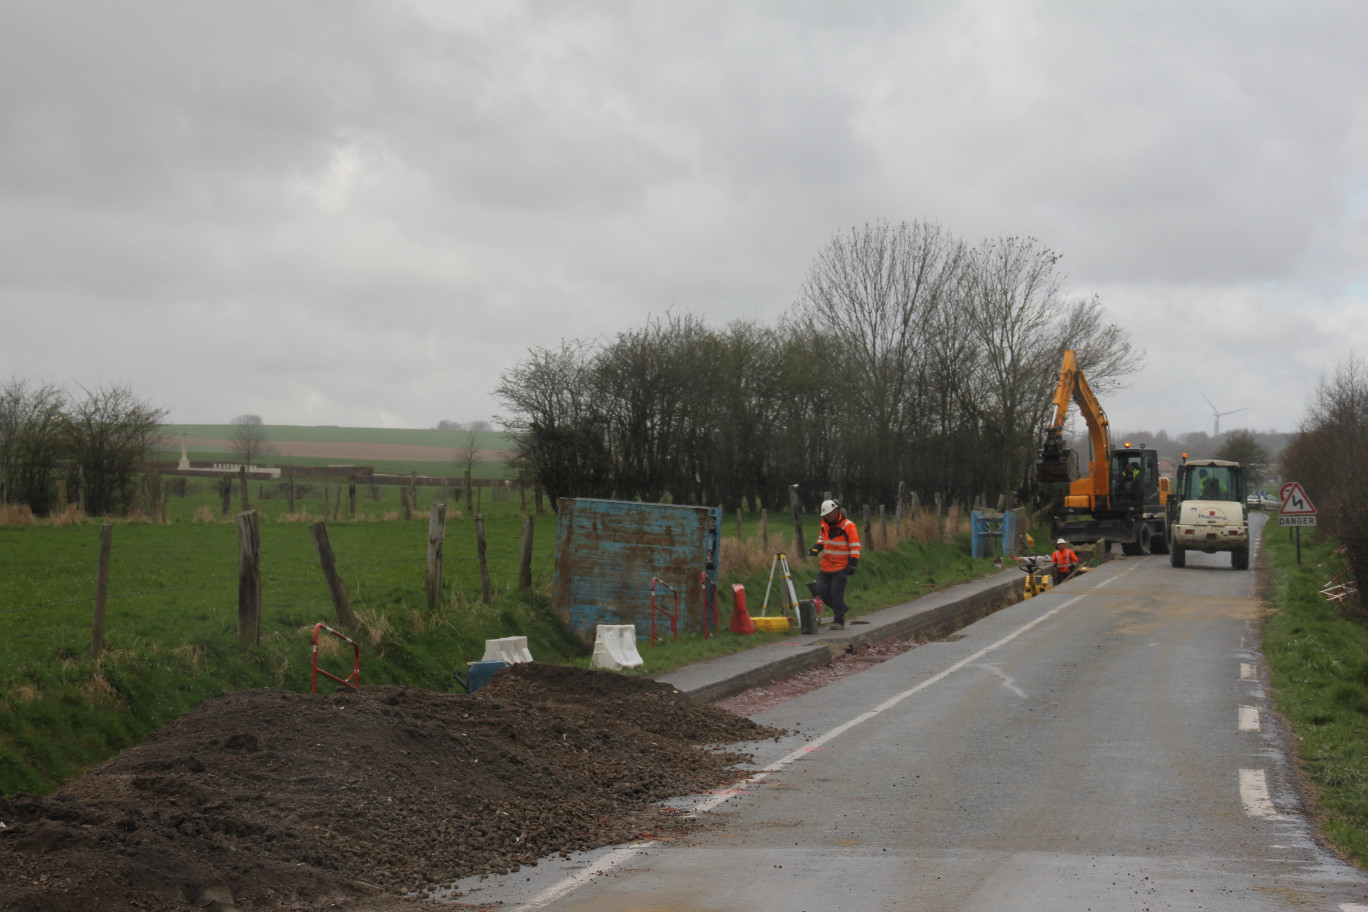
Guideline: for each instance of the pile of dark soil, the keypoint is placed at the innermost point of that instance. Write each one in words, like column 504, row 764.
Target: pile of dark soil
column 265, row 800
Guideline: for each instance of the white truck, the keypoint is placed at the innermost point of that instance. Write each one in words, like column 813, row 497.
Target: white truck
column 1207, row 511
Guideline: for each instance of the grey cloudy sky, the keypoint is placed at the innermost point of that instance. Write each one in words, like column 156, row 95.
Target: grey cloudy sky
column 361, row 213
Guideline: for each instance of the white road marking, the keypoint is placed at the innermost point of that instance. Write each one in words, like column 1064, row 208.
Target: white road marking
column 1352, row 907
column 1007, row 680
column 574, row 881
column 1249, row 718
column 622, row 854
column 1254, row 795
column 1246, row 671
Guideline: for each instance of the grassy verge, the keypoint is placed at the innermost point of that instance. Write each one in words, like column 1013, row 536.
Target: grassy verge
column 1317, row 655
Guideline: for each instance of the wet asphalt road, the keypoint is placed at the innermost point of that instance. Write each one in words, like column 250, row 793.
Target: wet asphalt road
column 1106, row 746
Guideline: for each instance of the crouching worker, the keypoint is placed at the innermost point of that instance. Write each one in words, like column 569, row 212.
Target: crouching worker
column 839, row 544
column 1064, row 561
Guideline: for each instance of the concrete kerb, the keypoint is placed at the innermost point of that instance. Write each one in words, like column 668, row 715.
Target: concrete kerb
column 930, row 617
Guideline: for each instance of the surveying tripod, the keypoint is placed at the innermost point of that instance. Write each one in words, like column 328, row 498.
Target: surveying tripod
column 787, row 595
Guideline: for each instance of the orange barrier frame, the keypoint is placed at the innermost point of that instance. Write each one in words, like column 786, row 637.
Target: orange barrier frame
column 352, row 680
column 672, row 615
column 709, row 603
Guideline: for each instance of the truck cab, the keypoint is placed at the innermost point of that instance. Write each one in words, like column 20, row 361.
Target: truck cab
column 1207, row 511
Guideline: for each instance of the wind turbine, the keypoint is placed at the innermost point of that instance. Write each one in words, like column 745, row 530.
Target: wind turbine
column 1217, row 431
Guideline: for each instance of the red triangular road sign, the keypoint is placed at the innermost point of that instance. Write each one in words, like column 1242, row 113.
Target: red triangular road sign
column 1294, row 501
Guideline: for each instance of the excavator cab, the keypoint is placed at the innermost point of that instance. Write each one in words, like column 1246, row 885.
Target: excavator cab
column 1134, row 479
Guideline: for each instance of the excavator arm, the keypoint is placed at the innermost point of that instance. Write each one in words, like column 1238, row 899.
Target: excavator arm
column 1057, row 463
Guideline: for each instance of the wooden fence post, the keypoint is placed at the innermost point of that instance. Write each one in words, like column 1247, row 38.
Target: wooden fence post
column 898, row 510
column 525, row 565
column 740, row 531
column 436, row 534
column 799, row 547
column 249, row 577
column 101, row 591
column 325, row 501
column 486, row 592
column 883, row 527
column 940, row 522
column 242, row 476
column 351, row 497
column 346, row 618
column 868, row 526
column 226, row 492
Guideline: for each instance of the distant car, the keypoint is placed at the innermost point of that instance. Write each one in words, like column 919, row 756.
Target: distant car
column 1262, row 500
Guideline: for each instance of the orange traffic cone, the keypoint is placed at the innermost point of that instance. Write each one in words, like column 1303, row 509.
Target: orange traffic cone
column 741, row 621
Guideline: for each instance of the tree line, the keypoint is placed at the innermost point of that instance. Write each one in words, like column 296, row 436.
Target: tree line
column 92, row 446
column 908, row 357
column 1326, row 457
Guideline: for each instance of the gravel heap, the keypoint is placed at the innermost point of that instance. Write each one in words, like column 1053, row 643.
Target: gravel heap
column 266, row 800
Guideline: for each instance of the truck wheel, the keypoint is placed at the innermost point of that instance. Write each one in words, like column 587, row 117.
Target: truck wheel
column 1159, row 544
column 1177, row 556
column 1239, row 558
column 1141, row 546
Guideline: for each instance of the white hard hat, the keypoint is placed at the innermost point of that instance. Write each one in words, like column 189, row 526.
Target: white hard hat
column 828, row 506
column 1061, row 542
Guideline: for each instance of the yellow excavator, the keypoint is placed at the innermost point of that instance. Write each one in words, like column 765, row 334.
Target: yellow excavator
column 1122, row 498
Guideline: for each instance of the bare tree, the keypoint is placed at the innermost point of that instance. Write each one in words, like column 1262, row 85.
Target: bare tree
column 1020, row 324
column 1240, row 446
column 465, row 460
column 557, row 433
column 248, row 439
column 30, row 443
column 866, row 307
column 110, row 434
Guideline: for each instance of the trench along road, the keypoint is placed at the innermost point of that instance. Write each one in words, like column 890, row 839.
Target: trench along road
column 1106, row 746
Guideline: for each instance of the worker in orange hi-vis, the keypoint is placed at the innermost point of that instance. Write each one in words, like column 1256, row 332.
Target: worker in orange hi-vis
column 1064, row 560
column 839, row 544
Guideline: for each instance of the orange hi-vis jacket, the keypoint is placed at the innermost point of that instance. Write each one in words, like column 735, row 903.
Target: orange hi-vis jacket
column 839, row 544
column 1065, row 559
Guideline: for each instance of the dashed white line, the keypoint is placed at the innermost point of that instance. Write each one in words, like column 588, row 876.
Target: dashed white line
column 1246, row 671
column 1254, row 795
column 1352, row 907
column 1249, row 718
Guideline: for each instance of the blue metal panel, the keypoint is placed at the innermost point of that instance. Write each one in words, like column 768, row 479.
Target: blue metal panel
column 608, row 551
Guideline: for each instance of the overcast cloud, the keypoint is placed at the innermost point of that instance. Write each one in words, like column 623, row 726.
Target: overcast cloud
column 361, row 213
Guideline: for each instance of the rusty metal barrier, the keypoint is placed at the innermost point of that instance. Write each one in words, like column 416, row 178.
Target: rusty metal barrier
column 709, row 603
column 673, row 615
column 352, row 680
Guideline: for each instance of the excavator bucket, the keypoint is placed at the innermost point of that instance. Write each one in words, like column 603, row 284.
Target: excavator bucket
column 1057, row 463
